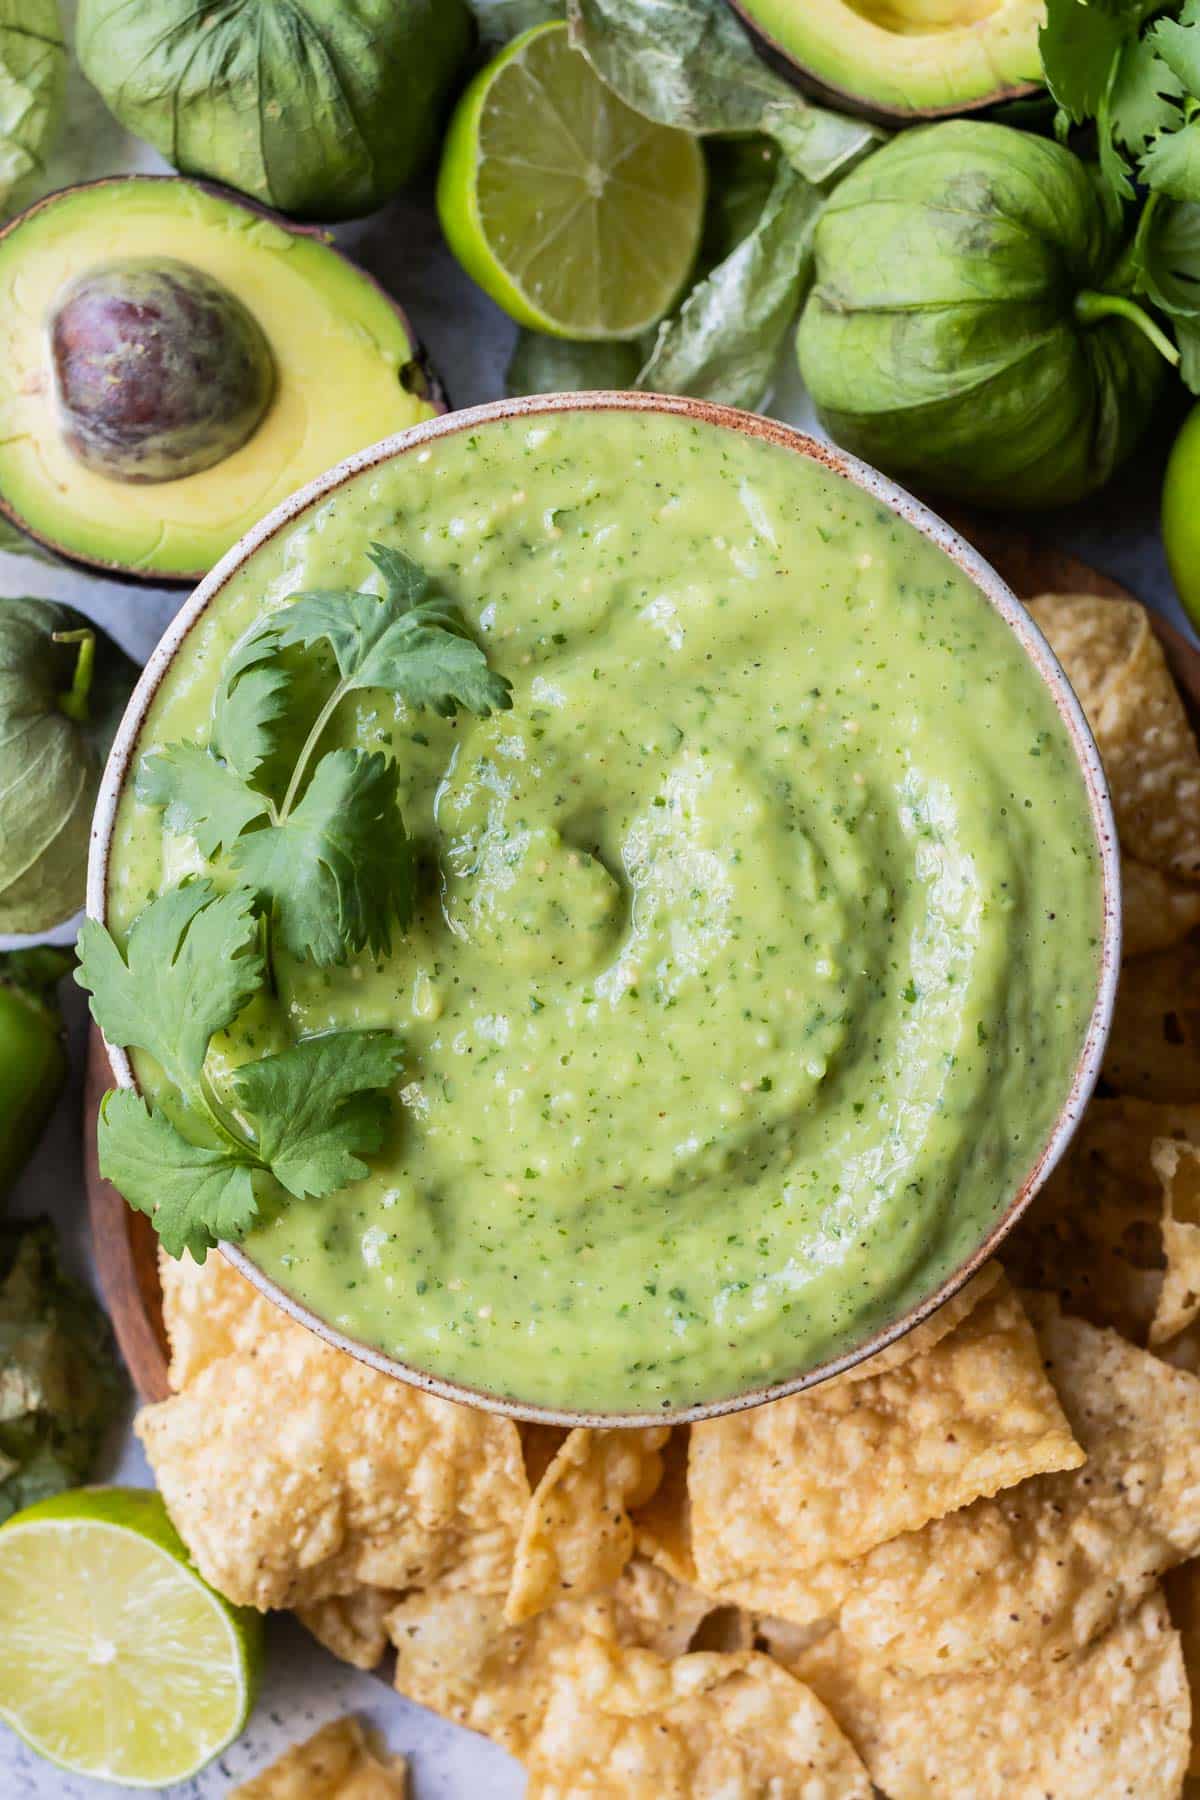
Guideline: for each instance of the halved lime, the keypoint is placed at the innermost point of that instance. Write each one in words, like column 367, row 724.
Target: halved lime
column 579, row 217
column 116, row 1659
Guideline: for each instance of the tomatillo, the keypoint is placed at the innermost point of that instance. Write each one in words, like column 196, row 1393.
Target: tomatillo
column 1181, row 514
column 33, row 1058
column 972, row 327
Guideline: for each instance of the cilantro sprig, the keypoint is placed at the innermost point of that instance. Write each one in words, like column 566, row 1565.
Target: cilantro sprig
column 304, row 1116
column 324, row 861
column 1131, row 69
column 330, row 856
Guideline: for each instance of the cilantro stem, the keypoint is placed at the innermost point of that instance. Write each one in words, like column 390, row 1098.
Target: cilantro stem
column 310, row 743
column 204, row 1097
column 75, row 701
column 1091, row 307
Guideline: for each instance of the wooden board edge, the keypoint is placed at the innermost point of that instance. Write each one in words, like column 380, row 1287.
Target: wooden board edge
column 124, row 1250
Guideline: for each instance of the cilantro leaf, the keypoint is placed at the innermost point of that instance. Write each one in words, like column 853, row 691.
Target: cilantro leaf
column 412, row 643
column 1144, row 98
column 1168, row 252
column 1172, row 163
column 191, row 963
column 408, row 583
column 339, row 867
column 199, row 794
column 1080, row 46
column 317, row 1106
column 1177, row 42
column 193, row 1196
column 331, row 855
column 249, row 702
column 1187, row 337
column 1116, row 174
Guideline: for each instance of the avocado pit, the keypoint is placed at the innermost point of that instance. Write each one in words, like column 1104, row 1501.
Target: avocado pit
column 160, row 371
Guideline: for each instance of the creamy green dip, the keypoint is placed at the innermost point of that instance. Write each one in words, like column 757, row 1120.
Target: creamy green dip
column 757, row 943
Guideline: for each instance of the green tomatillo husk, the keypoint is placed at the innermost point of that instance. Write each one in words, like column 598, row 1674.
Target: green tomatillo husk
column 33, row 1057
column 60, row 1384
column 970, row 327
column 323, row 110
column 63, row 688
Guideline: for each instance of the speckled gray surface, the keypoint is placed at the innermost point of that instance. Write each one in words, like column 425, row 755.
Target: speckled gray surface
column 469, row 342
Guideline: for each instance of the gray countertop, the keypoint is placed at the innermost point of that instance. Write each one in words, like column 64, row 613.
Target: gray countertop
column 469, row 342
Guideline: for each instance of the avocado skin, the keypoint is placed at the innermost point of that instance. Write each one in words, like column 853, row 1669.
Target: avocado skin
column 803, row 67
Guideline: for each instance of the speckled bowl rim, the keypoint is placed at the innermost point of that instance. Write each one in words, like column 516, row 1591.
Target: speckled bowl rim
column 931, row 527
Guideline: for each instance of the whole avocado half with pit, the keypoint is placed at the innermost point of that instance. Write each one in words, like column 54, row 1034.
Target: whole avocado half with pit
column 177, row 362
column 897, row 60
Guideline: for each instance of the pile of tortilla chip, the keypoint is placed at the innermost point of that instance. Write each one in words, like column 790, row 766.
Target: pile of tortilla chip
column 967, row 1567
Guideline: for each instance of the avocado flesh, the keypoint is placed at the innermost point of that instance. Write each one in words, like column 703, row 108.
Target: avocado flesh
column 903, row 58
column 341, row 352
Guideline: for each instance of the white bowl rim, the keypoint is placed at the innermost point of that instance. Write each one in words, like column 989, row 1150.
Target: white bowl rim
column 936, row 531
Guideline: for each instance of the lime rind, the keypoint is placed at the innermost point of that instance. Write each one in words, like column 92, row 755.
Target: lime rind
column 117, row 1661
column 578, row 216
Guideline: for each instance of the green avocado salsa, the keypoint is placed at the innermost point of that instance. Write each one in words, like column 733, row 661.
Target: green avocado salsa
column 755, row 946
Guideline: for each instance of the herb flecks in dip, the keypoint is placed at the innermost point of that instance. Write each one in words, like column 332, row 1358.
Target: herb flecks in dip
column 755, row 946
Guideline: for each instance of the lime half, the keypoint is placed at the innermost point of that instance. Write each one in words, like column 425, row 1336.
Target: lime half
column 116, row 1659
column 579, row 217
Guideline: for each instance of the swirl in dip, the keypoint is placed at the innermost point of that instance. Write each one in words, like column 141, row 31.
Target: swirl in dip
column 756, row 945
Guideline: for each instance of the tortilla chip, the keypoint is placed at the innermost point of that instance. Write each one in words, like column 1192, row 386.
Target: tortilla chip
column 339, row 1762
column 625, row 1725
column 1116, row 666
column 577, row 1535
column 352, row 1626
column 1095, row 639
column 1108, row 1723
column 824, row 1476
column 656, row 1612
column 294, row 1472
column 210, row 1311
column 1043, row 1569
column 787, row 1641
column 1154, row 1049
column 1183, row 1352
column 929, row 1332
column 662, row 1528
column 1157, row 911
column 455, row 1654
column 1178, row 1168
column 1093, row 1235
column 804, row 1597
column 1182, row 1588
column 540, row 1444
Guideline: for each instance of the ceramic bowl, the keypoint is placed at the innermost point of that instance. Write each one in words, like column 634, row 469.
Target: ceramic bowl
column 997, row 594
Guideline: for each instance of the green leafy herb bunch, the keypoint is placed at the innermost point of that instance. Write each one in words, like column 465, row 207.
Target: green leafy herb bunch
column 1131, row 69
column 308, row 852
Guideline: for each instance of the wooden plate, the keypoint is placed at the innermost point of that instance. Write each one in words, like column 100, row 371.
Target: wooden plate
column 124, row 1242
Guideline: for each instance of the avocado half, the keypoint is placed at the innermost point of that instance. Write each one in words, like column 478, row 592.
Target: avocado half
column 176, row 362
column 895, row 60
